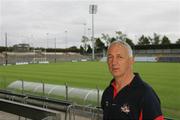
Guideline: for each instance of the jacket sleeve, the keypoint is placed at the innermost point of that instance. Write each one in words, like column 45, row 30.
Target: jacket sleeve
column 151, row 108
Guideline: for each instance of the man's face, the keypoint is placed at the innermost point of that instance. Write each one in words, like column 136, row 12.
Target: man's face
column 118, row 60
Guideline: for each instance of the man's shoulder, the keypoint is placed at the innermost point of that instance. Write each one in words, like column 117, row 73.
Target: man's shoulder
column 148, row 92
column 143, row 86
column 147, row 88
column 108, row 89
column 108, row 92
column 139, row 82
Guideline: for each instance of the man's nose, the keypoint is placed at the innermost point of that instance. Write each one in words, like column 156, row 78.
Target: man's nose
column 114, row 61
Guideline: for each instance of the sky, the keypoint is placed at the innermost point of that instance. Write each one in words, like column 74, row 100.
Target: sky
column 40, row 22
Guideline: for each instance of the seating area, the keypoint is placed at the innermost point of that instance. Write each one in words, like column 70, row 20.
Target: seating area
column 30, row 57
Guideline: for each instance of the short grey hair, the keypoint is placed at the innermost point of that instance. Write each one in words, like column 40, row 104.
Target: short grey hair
column 123, row 43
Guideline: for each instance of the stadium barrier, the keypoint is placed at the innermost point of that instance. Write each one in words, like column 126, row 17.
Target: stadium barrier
column 137, row 59
column 22, row 63
column 151, row 59
column 43, row 62
column 28, row 111
column 145, row 59
column 168, row 59
column 84, row 60
column 43, row 108
column 80, row 95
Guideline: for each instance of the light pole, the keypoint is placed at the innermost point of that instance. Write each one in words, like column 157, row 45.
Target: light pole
column 84, row 29
column 66, row 40
column 89, row 29
column 85, row 38
column 33, row 47
column 6, row 56
column 93, row 10
column 46, row 46
column 89, row 33
column 55, row 50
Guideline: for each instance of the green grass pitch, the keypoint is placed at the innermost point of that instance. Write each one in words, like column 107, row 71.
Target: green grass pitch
column 163, row 77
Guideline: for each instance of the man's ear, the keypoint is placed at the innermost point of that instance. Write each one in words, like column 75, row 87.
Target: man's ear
column 132, row 60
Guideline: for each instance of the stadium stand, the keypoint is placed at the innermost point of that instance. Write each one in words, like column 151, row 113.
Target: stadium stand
column 31, row 57
column 154, row 53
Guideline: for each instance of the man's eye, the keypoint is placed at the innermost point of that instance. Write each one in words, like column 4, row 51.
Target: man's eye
column 119, row 57
column 109, row 57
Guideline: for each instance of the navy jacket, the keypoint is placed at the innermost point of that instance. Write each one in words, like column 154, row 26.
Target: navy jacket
column 135, row 101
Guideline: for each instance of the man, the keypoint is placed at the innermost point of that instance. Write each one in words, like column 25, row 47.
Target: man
column 127, row 96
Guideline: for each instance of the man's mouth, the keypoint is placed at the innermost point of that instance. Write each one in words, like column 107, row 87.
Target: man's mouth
column 115, row 69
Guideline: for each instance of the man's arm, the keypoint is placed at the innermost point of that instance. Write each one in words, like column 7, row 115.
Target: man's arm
column 151, row 108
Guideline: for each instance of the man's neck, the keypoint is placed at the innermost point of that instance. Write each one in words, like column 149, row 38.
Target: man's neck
column 123, row 81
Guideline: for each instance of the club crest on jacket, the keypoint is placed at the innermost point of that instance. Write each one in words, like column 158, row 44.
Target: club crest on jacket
column 125, row 108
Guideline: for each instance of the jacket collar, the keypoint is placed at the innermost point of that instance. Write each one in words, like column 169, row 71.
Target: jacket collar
column 136, row 80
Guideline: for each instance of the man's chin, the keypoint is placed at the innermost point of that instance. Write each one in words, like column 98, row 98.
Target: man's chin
column 117, row 75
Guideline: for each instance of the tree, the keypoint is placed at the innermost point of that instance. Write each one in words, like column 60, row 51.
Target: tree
column 178, row 41
column 89, row 50
column 129, row 41
column 2, row 48
column 84, row 40
column 99, row 45
column 120, row 35
column 113, row 39
column 155, row 40
column 81, row 50
column 143, row 40
column 165, row 40
column 73, row 49
column 106, row 38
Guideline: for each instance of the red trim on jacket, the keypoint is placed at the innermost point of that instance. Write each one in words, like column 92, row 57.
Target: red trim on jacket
column 140, row 116
column 115, row 89
column 159, row 118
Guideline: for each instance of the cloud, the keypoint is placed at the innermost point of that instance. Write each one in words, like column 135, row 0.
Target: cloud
column 38, row 17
